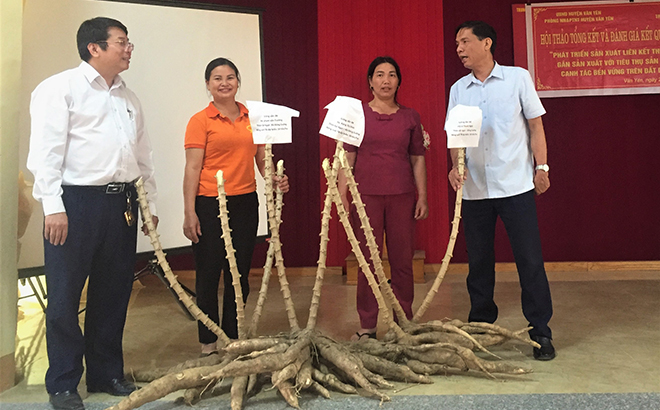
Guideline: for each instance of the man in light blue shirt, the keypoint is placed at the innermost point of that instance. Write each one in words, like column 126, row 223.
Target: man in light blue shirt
column 502, row 179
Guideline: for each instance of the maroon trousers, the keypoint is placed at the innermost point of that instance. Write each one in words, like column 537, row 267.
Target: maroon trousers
column 394, row 215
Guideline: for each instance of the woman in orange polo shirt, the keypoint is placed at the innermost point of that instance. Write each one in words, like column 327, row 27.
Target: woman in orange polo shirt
column 220, row 137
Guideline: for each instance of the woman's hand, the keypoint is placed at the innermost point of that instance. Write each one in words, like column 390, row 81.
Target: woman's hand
column 421, row 209
column 455, row 178
column 282, row 183
column 191, row 227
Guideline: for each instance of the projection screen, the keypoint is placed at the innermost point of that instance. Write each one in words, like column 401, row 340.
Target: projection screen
column 173, row 43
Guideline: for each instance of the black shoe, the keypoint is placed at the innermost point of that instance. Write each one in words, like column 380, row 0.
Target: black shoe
column 116, row 387
column 547, row 350
column 66, row 400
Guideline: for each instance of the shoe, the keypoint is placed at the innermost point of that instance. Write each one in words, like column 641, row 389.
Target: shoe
column 547, row 350
column 66, row 400
column 116, row 387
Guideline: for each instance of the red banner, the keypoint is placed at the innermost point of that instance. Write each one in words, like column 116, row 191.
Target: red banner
column 593, row 48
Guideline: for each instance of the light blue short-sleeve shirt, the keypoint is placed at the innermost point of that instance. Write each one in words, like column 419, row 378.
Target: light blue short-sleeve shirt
column 502, row 165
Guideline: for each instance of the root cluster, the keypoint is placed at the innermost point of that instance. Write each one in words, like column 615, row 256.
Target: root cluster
column 309, row 361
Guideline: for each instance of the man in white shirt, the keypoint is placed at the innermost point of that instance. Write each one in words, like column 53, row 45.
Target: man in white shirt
column 502, row 180
column 88, row 145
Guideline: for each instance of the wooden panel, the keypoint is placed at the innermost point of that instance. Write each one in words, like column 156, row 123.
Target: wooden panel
column 561, row 266
column 418, row 268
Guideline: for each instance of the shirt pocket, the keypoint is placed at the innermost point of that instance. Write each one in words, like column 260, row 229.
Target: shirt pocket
column 505, row 108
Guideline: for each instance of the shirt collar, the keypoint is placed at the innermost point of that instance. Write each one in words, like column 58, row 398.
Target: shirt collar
column 212, row 111
column 92, row 75
column 496, row 72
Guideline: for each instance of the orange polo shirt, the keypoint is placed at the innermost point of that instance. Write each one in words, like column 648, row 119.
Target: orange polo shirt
column 227, row 146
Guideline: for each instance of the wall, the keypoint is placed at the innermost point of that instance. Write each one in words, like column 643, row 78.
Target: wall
column 351, row 34
column 10, row 75
column 603, row 201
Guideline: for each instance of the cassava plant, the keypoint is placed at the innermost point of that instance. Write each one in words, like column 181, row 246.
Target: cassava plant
column 305, row 359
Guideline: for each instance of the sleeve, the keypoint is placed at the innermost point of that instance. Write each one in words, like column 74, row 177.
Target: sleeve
column 416, row 146
column 145, row 157
column 49, row 122
column 529, row 99
column 196, row 135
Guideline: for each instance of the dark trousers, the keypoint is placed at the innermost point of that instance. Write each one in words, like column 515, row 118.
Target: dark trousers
column 211, row 258
column 394, row 215
column 99, row 246
column 518, row 213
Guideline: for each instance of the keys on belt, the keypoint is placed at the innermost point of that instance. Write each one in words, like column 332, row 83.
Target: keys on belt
column 118, row 188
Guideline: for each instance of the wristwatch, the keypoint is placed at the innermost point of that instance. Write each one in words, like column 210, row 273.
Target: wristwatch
column 542, row 167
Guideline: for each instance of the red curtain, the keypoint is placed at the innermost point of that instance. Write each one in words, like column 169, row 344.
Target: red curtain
column 350, row 35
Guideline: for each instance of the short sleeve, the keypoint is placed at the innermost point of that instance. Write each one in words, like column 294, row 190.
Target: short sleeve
column 196, row 134
column 416, row 146
column 529, row 99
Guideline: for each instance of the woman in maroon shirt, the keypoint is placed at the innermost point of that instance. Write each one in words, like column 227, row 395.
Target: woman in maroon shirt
column 390, row 169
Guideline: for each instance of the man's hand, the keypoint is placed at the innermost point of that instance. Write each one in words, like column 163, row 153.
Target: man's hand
column 56, row 228
column 541, row 181
column 145, row 230
column 455, row 178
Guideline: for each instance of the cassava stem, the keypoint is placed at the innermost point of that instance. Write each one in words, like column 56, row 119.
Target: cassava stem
column 167, row 271
column 343, row 216
column 323, row 247
column 231, row 257
column 275, row 239
column 268, row 266
column 385, row 287
column 450, row 246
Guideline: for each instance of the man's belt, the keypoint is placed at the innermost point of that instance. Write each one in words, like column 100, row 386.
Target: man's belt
column 113, row 187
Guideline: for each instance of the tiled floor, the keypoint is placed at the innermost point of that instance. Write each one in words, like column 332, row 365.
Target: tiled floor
column 606, row 329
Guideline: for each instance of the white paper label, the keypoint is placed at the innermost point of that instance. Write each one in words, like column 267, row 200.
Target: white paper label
column 463, row 126
column 344, row 120
column 271, row 123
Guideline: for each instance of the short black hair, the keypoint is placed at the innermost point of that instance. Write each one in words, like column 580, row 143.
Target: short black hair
column 381, row 60
column 482, row 30
column 95, row 31
column 213, row 64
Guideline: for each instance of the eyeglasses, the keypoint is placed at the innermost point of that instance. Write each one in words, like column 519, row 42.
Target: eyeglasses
column 126, row 45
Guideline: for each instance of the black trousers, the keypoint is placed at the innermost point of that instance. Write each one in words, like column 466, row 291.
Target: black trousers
column 99, row 246
column 518, row 213
column 211, row 258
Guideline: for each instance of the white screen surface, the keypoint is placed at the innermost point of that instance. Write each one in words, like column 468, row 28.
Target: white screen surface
column 172, row 48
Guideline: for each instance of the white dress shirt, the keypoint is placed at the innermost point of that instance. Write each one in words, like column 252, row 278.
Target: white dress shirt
column 502, row 165
column 86, row 133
